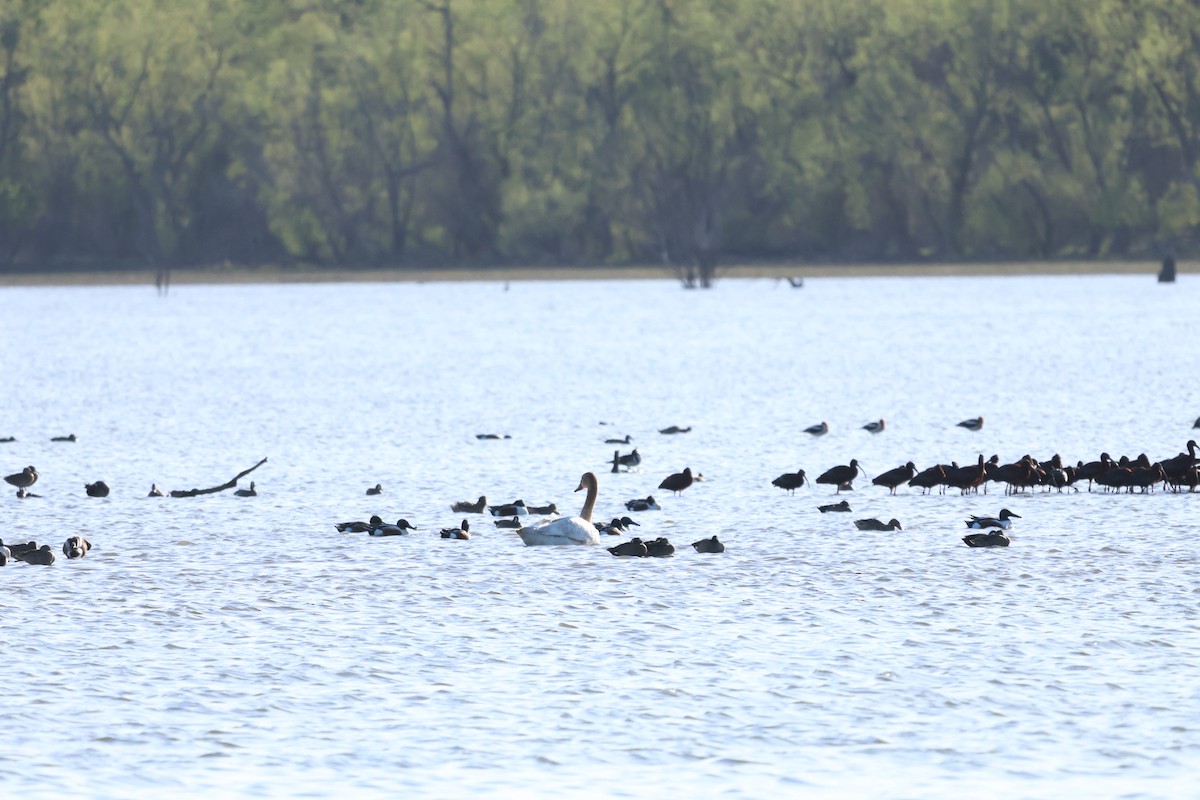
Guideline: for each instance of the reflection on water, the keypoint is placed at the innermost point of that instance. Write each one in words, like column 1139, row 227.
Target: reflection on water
column 241, row 643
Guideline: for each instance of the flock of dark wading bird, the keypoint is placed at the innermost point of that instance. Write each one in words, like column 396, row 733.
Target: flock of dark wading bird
column 1023, row 475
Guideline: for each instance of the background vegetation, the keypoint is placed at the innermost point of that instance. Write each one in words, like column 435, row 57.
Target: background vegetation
column 360, row 132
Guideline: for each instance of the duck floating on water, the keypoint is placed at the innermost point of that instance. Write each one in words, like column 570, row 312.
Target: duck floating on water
column 513, row 523
column 514, row 509
column 618, row 526
column 875, row 427
column 70, row 438
column 1004, row 521
column 627, row 440
column 76, row 547
column 675, row 429
column 820, row 429
column 251, row 492
column 971, row 424
column 635, row 547
column 710, row 545
column 875, row 525
column 155, row 491
column 467, row 507
column 989, row 539
column 401, row 528
column 376, row 489
column 97, row 489
column 462, row 532
column 660, row 548
column 647, row 503
column 359, row 527
column 836, row 507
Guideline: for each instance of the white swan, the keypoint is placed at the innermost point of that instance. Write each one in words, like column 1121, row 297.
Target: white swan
column 567, row 530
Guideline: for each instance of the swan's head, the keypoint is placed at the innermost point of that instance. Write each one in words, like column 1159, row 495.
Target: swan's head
column 588, row 481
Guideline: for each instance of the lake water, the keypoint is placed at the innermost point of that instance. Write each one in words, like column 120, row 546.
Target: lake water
column 241, row 645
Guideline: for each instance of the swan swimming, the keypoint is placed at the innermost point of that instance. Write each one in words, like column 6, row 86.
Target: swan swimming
column 567, row 530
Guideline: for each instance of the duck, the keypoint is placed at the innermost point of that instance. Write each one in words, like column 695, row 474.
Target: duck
column 514, row 509
column 895, row 477
column 359, row 527
column 875, row 525
column 1004, row 521
column 628, row 460
column 515, row 522
column 155, row 491
column 97, row 489
column 463, row 531
column 820, row 429
column 989, row 539
column 660, row 548
column 675, row 429
column 567, row 530
column 710, row 545
column 874, row 427
column 790, row 481
column 545, row 510
column 251, row 492
column 42, row 556
column 401, row 528
column 70, row 438
column 678, row 482
column 376, row 489
column 16, row 549
column 841, row 476
column 842, row 506
column 23, row 479
column 634, row 547
column 491, row 436
column 971, row 424
column 76, row 547
column 627, row 440
column 618, row 526
column 643, row 504
column 467, row 507
column 7, row 439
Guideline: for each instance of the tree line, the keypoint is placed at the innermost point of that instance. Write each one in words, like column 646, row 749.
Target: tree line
column 688, row 132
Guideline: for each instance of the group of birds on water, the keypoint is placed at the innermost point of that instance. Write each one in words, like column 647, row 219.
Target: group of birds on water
column 553, row 529
column 1026, row 473
column 1020, row 476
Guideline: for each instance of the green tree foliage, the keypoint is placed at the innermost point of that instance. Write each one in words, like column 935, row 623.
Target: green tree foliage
column 685, row 132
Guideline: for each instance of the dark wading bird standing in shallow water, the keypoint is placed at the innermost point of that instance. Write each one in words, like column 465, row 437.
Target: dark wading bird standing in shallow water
column 23, row 479
column 678, row 482
column 842, row 475
column 895, row 477
column 790, row 481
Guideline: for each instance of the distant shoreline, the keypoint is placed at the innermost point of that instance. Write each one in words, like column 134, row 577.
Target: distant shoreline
column 271, row 275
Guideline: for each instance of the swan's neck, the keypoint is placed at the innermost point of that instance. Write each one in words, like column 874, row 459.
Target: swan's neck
column 590, row 503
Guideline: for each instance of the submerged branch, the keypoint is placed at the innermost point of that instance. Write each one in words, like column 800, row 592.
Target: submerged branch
column 232, row 483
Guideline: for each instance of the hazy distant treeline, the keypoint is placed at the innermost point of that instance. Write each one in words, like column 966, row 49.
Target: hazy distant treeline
column 585, row 131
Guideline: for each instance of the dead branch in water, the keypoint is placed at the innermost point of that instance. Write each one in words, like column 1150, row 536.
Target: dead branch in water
column 215, row 489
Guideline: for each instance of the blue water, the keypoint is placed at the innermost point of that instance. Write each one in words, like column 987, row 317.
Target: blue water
column 242, row 645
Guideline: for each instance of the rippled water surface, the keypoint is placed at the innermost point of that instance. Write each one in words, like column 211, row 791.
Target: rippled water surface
column 241, row 644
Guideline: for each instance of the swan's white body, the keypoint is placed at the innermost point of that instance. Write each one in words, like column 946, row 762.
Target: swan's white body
column 567, row 530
